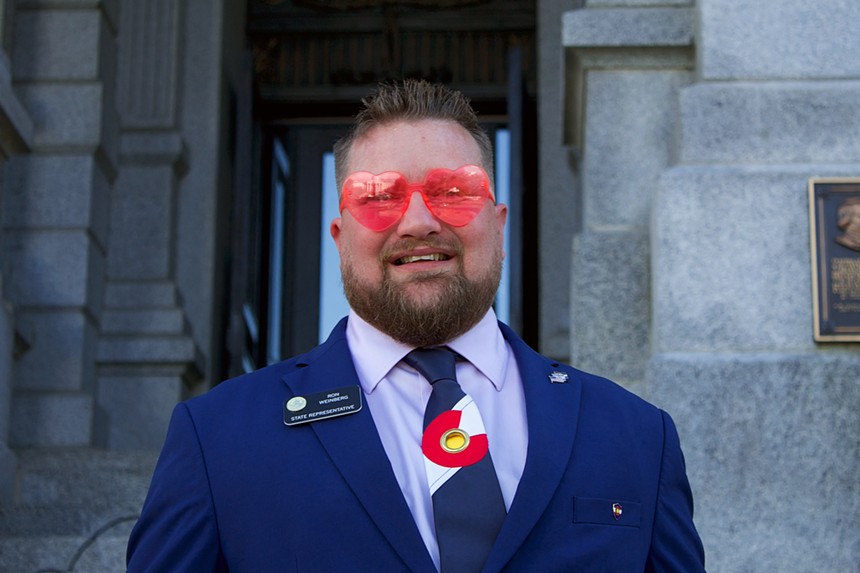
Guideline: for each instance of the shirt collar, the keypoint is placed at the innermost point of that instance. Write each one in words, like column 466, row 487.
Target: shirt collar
column 374, row 353
column 485, row 347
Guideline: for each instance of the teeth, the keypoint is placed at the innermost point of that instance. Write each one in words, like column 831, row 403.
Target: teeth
column 416, row 258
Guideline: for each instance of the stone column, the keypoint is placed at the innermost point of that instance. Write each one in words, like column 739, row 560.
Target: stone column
column 55, row 214
column 768, row 419
column 626, row 63
column 16, row 134
column 147, row 358
column 558, row 190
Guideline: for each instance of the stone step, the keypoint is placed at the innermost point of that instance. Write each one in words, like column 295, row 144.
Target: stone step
column 73, row 510
column 82, row 476
column 101, row 552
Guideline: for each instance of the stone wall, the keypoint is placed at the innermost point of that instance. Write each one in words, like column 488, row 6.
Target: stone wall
column 146, row 356
column 720, row 331
column 625, row 67
column 56, row 214
column 115, row 151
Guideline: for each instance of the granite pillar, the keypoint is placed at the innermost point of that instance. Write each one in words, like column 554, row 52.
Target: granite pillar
column 768, row 418
column 55, row 214
column 147, row 358
column 625, row 66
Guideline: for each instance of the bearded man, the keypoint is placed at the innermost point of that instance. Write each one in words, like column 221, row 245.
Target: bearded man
column 423, row 435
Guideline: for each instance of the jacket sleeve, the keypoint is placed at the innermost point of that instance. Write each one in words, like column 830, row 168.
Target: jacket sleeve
column 675, row 545
column 178, row 528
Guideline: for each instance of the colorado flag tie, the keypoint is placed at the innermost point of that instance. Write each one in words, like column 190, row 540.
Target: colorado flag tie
column 468, row 507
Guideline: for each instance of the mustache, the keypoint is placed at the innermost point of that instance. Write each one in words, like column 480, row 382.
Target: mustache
column 447, row 245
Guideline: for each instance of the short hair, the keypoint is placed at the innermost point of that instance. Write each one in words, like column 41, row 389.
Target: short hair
column 412, row 100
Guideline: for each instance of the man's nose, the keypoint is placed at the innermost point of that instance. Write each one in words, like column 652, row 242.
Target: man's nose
column 418, row 220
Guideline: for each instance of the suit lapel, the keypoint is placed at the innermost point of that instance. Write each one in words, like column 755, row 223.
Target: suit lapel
column 353, row 444
column 552, row 413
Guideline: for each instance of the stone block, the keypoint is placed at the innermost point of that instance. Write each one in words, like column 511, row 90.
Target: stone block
column 614, row 27
column 141, row 244
column 147, row 321
column 44, row 420
column 610, row 305
column 65, row 115
column 134, row 411
column 62, row 354
column 147, row 349
column 731, row 260
column 771, row 122
column 778, row 39
column 57, row 44
column 629, row 140
column 159, row 148
column 54, row 268
column 772, row 454
column 129, row 295
column 57, row 191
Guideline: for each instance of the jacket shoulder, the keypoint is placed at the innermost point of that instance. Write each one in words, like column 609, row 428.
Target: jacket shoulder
column 268, row 378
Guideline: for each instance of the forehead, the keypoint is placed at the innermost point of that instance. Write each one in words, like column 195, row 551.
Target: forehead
column 413, row 148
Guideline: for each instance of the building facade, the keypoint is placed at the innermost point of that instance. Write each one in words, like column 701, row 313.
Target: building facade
column 662, row 152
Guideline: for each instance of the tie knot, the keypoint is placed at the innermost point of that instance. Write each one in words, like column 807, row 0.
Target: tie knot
column 437, row 363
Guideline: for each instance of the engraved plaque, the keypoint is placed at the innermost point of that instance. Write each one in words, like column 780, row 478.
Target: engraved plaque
column 834, row 222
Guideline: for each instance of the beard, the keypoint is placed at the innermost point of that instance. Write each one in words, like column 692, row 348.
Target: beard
column 455, row 305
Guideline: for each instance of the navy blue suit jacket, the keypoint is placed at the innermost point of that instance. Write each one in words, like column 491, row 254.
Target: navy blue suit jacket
column 237, row 490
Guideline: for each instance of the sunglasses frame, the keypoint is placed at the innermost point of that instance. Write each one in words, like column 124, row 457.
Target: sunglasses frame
column 441, row 212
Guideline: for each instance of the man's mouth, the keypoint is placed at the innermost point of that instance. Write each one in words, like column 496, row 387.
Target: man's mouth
column 419, row 258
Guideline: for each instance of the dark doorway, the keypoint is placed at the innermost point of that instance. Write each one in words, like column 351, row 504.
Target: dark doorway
column 313, row 61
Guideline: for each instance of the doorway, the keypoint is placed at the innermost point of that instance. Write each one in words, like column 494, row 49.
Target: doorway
column 312, row 65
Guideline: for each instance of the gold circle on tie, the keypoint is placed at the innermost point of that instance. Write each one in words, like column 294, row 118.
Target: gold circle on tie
column 454, row 441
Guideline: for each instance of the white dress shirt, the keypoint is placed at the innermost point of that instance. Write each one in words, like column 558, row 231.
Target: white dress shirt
column 396, row 395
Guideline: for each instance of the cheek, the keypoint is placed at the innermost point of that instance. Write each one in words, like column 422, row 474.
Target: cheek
column 482, row 250
column 360, row 247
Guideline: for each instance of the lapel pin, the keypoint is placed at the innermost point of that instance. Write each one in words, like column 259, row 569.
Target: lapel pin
column 558, row 377
column 617, row 510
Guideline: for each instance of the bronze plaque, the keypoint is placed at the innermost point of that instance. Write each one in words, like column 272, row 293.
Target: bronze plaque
column 834, row 217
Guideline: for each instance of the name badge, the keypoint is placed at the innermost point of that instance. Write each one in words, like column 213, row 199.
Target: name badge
column 322, row 405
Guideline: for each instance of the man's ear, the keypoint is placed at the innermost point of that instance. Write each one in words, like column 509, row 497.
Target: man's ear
column 335, row 229
column 501, row 217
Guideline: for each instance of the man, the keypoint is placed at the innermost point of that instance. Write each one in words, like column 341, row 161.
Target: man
column 361, row 456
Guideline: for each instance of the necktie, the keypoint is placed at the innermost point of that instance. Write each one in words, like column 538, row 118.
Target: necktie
column 468, row 507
